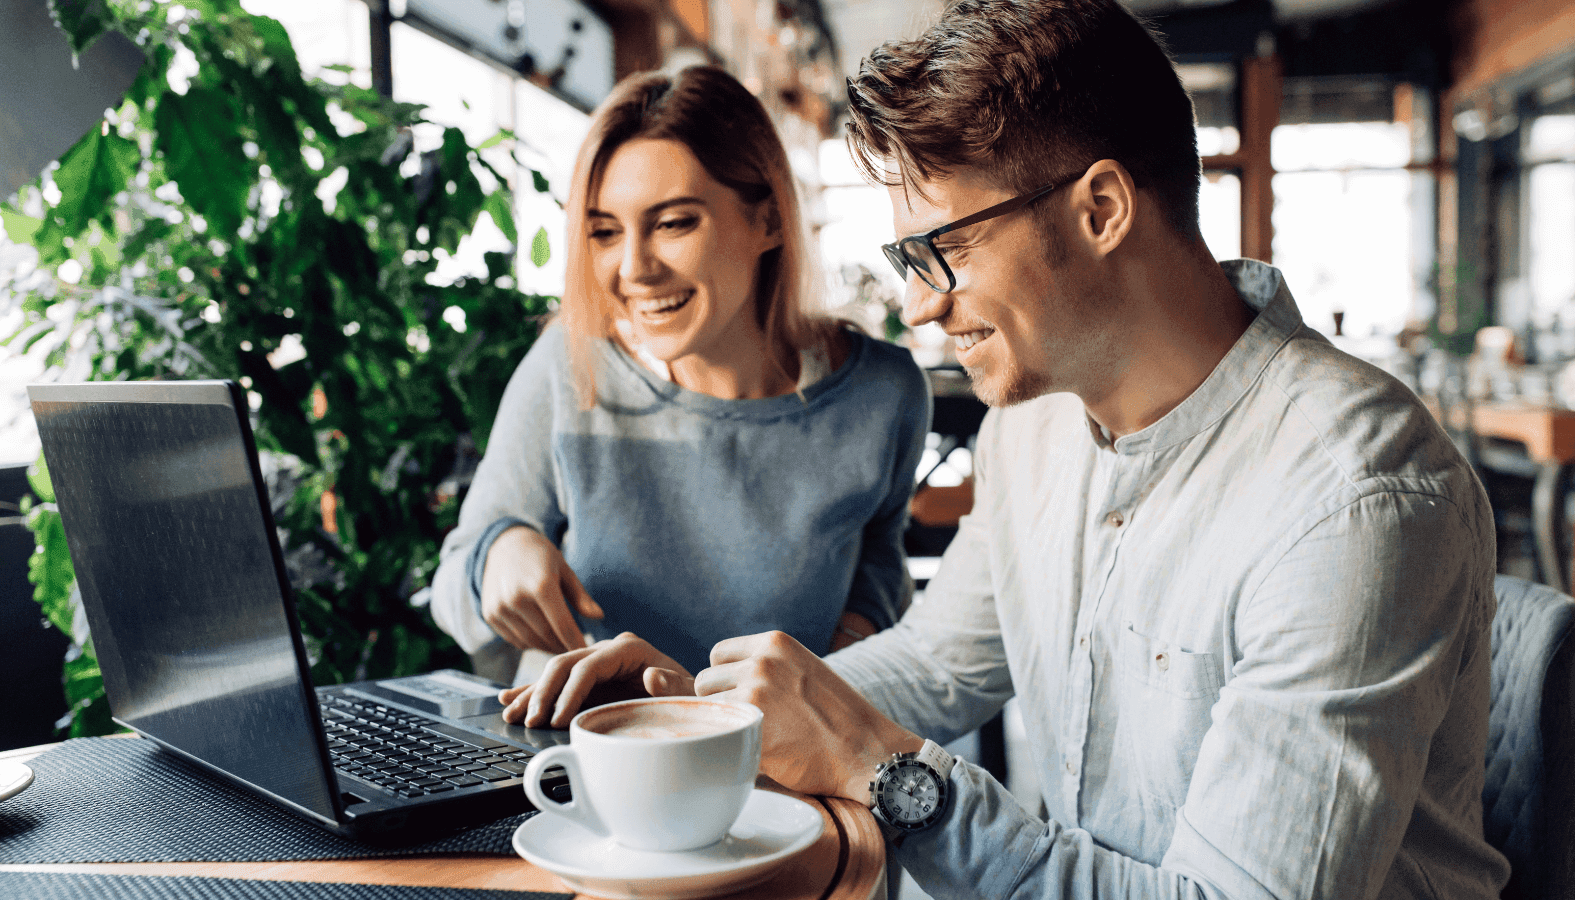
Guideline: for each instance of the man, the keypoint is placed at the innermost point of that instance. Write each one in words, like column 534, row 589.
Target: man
column 1240, row 583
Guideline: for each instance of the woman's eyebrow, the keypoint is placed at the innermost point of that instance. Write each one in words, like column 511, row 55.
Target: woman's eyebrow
column 652, row 210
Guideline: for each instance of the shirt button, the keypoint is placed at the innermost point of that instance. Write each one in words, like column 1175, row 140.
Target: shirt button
column 1083, row 641
column 1115, row 519
column 1163, row 661
column 1071, row 767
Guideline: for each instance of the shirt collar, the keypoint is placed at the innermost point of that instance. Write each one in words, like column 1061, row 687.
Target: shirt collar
column 1263, row 288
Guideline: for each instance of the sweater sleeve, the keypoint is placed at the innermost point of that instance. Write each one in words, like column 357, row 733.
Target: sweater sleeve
column 880, row 583
column 516, row 483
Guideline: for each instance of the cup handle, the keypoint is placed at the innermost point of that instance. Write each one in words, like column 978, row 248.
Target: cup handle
column 579, row 809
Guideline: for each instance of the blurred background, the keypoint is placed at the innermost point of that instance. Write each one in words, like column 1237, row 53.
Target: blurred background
column 1408, row 164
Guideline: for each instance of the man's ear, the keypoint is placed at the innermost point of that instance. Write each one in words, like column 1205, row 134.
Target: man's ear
column 1107, row 202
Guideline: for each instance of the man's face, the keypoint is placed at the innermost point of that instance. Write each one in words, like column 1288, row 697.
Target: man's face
column 1025, row 317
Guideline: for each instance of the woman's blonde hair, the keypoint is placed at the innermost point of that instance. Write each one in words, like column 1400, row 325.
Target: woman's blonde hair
column 728, row 131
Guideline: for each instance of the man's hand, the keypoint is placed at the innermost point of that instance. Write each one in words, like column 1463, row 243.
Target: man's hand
column 526, row 589
column 820, row 736
column 617, row 669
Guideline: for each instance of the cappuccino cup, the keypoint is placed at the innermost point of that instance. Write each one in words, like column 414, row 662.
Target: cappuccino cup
column 657, row 773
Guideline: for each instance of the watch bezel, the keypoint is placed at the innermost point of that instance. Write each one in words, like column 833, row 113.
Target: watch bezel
column 887, row 772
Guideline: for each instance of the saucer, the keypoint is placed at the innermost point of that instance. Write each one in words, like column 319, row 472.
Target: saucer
column 772, row 828
column 14, row 779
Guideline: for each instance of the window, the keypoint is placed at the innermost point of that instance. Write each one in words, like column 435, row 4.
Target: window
column 1353, row 206
column 1549, row 202
column 1215, row 105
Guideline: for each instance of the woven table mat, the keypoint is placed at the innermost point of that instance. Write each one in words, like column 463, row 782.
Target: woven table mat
column 126, row 800
column 52, row 886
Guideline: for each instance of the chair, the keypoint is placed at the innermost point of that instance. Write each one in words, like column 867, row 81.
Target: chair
column 1529, row 795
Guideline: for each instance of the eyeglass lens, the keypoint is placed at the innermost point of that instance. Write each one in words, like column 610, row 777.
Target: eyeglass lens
column 920, row 254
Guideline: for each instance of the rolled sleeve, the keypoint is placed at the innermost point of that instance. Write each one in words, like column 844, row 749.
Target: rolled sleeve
column 516, row 483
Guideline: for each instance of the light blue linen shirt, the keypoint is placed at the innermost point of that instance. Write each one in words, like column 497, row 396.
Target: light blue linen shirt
column 1250, row 642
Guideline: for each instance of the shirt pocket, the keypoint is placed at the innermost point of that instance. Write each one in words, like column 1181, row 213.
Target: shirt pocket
column 1164, row 697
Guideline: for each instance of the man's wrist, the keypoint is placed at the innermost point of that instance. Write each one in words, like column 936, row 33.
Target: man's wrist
column 856, row 785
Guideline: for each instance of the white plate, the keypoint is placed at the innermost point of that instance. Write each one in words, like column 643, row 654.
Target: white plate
column 14, row 779
column 772, row 828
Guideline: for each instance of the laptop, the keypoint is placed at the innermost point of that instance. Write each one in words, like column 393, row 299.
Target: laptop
column 195, row 627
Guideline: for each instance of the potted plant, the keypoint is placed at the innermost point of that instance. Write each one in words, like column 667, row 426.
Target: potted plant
column 234, row 218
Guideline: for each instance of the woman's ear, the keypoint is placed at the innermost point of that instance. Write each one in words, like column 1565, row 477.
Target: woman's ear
column 772, row 219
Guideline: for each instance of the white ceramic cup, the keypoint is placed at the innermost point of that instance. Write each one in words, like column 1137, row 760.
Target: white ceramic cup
column 657, row 773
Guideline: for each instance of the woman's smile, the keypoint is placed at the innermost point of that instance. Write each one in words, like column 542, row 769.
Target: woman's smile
column 661, row 309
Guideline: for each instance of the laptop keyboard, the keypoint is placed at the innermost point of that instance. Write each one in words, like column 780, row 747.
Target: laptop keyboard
column 411, row 756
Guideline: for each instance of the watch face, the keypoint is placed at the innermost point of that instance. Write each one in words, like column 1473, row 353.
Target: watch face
column 909, row 795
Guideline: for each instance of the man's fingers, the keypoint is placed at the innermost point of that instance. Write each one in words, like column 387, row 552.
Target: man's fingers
column 548, row 687
column 667, row 683
column 739, row 648
column 619, row 659
column 716, row 679
column 514, row 712
column 585, row 676
column 579, row 596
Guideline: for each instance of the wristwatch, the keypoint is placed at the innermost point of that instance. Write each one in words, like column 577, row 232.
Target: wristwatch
column 911, row 790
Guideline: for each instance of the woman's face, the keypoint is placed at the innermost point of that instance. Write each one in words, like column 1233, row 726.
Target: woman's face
column 680, row 252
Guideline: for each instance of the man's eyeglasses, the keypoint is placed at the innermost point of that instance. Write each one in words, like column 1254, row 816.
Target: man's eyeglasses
column 918, row 251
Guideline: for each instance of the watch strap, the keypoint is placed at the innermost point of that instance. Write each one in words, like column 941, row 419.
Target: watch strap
column 936, row 757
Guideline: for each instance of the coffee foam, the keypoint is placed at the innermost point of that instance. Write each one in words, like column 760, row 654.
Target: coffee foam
column 668, row 719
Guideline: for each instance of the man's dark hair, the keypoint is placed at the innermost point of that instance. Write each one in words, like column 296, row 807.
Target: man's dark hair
column 1031, row 92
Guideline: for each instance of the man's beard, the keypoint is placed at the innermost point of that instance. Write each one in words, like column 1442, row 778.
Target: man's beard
column 1014, row 386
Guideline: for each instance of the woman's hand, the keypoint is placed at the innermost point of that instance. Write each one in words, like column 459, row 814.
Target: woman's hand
column 623, row 667
column 526, row 589
column 851, row 629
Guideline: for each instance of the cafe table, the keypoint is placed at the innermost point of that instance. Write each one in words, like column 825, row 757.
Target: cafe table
column 1548, row 434
column 847, row 862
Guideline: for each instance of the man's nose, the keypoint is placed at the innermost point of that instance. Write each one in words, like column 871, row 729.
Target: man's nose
column 922, row 303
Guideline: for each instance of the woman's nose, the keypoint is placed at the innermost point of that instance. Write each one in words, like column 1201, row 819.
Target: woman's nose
column 639, row 264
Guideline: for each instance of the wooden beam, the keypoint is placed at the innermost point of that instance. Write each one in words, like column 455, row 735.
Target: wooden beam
column 695, row 16
column 1260, row 111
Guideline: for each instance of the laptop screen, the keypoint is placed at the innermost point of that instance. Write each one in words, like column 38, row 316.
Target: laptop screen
column 191, row 617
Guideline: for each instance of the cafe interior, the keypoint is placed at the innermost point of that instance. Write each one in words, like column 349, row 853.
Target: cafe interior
column 1408, row 164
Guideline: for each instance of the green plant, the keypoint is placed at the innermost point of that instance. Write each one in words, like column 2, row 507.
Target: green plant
column 244, row 221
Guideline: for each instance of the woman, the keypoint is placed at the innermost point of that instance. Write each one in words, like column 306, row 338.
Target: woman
column 687, row 453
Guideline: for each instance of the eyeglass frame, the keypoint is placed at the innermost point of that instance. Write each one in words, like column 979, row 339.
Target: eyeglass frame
column 901, row 261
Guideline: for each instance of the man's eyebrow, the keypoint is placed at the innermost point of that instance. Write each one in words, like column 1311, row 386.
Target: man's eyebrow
column 927, row 227
column 652, row 210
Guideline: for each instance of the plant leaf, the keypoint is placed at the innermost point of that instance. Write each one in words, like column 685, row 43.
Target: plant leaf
column 539, row 180
column 503, row 135
column 203, row 154
column 539, row 251
column 497, row 206
column 83, row 21
column 49, row 568
column 38, row 480
column 19, row 228
column 90, row 175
